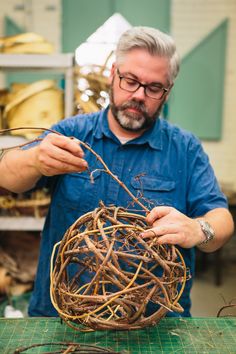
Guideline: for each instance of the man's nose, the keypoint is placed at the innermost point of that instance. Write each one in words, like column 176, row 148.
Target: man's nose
column 139, row 94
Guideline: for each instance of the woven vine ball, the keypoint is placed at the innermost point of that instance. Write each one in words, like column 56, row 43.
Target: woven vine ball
column 106, row 276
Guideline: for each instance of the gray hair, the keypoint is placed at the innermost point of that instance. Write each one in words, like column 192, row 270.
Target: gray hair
column 154, row 41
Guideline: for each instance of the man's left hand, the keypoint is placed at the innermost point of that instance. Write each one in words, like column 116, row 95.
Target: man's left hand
column 173, row 227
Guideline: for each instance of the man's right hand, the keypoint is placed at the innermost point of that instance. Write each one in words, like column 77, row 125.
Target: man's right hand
column 58, row 154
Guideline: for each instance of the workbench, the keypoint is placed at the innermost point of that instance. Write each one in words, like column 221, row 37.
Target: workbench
column 172, row 335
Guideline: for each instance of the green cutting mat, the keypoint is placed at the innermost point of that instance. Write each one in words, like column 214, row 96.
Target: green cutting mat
column 199, row 335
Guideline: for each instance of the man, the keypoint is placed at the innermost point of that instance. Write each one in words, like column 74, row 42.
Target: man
column 176, row 178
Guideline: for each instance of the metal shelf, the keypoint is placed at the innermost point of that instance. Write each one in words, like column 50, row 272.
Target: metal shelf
column 7, row 141
column 62, row 63
column 21, row 223
column 53, row 62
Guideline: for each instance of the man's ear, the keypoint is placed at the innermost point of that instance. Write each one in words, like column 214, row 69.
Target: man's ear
column 112, row 73
column 168, row 93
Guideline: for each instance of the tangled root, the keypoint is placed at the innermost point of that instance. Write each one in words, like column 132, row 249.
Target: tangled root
column 106, row 276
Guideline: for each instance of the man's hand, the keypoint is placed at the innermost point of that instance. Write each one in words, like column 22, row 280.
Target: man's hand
column 173, row 227
column 58, row 154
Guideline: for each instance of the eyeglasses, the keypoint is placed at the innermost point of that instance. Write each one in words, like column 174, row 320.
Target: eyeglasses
column 154, row 91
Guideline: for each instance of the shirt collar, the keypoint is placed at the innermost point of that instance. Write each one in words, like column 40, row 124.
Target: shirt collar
column 153, row 136
column 102, row 127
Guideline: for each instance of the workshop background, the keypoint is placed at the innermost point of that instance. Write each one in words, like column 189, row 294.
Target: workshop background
column 202, row 101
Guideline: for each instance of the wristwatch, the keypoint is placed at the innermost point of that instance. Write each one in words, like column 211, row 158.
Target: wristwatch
column 208, row 231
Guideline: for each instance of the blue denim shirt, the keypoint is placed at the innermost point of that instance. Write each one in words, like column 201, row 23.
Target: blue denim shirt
column 174, row 171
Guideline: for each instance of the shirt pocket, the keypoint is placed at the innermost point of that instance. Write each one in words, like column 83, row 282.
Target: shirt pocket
column 155, row 190
column 79, row 191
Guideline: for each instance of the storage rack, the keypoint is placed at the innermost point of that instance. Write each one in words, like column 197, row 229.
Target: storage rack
column 62, row 63
column 54, row 63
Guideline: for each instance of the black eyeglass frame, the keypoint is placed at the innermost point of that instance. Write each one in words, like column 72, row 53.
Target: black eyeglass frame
column 121, row 77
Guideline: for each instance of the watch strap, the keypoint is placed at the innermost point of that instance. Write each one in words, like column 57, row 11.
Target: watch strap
column 207, row 231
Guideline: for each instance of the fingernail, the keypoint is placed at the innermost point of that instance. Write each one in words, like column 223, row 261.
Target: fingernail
column 84, row 163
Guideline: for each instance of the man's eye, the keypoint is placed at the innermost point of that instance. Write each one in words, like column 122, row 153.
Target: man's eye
column 130, row 82
column 155, row 89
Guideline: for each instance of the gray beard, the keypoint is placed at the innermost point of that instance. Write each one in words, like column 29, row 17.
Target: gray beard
column 130, row 120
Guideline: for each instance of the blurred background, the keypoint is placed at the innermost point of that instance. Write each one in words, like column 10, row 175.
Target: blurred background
column 55, row 58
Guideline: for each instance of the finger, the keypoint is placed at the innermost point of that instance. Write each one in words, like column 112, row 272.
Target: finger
column 54, row 167
column 66, row 157
column 170, row 239
column 54, row 160
column 149, row 234
column 160, row 230
column 66, row 143
column 157, row 213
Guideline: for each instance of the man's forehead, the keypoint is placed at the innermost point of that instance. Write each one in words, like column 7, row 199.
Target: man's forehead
column 144, row 66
